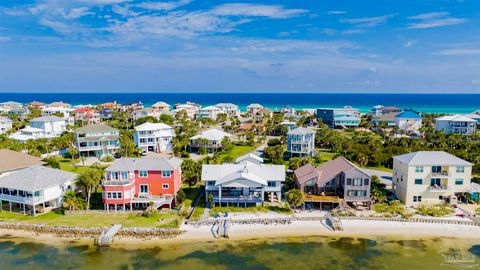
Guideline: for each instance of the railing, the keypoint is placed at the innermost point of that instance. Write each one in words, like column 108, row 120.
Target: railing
column 98, row 147
column 117, row 182
column 20, row 199
column 436, row 174
column 438, row 188
column 237, row 199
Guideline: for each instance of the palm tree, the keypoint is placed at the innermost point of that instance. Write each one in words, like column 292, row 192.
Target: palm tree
column 294, row 197
column 89, row 181
column 72, row 202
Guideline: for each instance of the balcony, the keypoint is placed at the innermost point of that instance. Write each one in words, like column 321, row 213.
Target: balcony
column 438, row 188
column 439, row 174
column 117, row 182
column 21, row 199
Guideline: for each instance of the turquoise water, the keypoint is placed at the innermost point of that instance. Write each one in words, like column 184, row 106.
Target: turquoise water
column 437, row 103
column 292, row 253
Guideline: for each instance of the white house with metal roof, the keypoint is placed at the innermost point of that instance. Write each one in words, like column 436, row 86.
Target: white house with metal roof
column 154, row 137
column 229, row 109
column 243, row 184
column 41, row 127
column 458, row 124
column 34, row 189
column 408, row 121
column 301, row 142
column 97, row 140
column 430, row 177
column 209, row 112
column 249, row 158
column 5, row 124
column 210, row 139
column 253, row 108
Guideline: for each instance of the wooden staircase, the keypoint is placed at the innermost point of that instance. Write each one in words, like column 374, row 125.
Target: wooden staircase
column 335, row 222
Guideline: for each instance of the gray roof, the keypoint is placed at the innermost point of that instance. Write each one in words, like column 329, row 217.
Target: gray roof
column 36, row 178
column 301, row 131
column 431, row 158
column 48, row 118
column 11, row 160
column 146, row 164
column 260, row 174
column 249, row 156
column 96, row 128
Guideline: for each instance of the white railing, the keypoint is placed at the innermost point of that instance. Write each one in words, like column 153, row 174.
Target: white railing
column 20, row 199
column 117, row 182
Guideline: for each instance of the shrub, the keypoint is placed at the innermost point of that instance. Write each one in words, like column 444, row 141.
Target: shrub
column 180, row 196
column 52, row 162
column 438, row 210
column 107, row 158
column 393, row 208
column 185, row 154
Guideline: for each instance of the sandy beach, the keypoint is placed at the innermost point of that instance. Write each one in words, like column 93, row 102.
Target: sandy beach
column 352, row 228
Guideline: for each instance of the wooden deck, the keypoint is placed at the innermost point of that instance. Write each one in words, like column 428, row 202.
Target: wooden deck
column 318, row 198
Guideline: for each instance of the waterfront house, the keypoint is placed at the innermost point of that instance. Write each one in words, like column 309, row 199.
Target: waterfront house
column 132, row 106
column 253, row 108
column 106, row 113
column 333, row 182
column 97, row 140
column 154, row 137
column 135, row 182
column 244, row 184
column 288, row 111
column 261, row 114
column 161, row 106
column 380, row 109
column 301, row 142
column 41, row 127
column 36, row 104
column 430, row 177
column 5, row 124
column 59, row 104
column 458, row 124
column 110, row 105
column 210, row 139
column 61, row 111
column 346, row 117
column 190, row 108
column 146, row 112
column 229, row 108
column 408, row 121
column 249, row 158
column 10, row 106
column 209, row 112
column 388, row 119
column 86, row 115
column 11, row 161
column 34, row 189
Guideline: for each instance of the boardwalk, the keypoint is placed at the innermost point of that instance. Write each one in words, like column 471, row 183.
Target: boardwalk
column 107, row 238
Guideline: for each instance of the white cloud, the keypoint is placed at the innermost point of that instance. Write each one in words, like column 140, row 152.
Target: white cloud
column 76, row 13
column 368, row 21
column 336, row 12
column 102, row 2
column 459, row 52
column 256, row 10
column 433, row 19
column 409, row 43
column 163, row 5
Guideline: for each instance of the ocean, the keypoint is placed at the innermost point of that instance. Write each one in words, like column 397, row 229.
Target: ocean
column 425, row 103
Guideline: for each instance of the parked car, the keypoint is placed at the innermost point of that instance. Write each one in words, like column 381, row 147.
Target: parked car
column 117, row 155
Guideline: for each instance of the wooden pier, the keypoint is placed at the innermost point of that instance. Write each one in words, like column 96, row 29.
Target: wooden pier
column 106, row 238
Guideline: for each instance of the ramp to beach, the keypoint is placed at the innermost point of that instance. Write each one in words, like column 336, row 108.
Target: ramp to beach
column 106, row 238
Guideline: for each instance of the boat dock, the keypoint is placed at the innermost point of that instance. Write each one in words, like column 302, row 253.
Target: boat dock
column 106, row 239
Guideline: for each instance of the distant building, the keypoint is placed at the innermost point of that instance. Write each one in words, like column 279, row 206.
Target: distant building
column 430, row 177
column 133, row 183
column 210, row 139
column 190, row 108
column 457, row 124
column 229, row 108
column 97, row 140
column 380, row 110
column 339, row 117
column 5, row 124
column 260, row 114
column 36, row 104
column 253, row 108
column 161, row 106
column 154, row 137
column 146, row 112
column 388, row 119
column 86, row 115
column 106, row 113
column 41, row 127
column 333, row 181
column 209, row 112
column 301, row 142
column 408, row 121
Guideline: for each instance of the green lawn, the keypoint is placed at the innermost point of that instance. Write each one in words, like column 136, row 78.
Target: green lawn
column 66, row 164
column 326, row 156
column 237, row 151
column 380, row 168
column 160, row 220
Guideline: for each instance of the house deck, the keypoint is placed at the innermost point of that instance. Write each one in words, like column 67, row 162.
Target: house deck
column 318, row 198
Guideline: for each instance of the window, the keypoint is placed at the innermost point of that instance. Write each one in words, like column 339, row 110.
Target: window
column 418, row 169
column 417, row 198
column 143, row 174
column 114, row 195
column 436, row 169
column 459, row 181
column 418, row 181
column 357, row 182
column 166, row 174
column 109, row 195
column 272, row 184
column 365, row 181
column 165, row 186
column 460, row 169
column 210, row 183
column 349, row 181
column 143, row 188
column 119, row 195
column 37, row 194
column 435, row 182
column 124, row 175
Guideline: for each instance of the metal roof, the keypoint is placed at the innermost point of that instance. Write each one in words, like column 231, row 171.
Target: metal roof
column 423, row 158
column 36, row 178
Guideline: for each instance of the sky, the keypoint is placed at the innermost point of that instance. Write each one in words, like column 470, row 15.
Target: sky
column 391, row 46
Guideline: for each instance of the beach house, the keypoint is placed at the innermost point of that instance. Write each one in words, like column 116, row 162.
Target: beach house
column 229, row 108
column 388, row 119
column 261, row 114
column 190, row 108
column 36, row 104
column 146, row 112
column 249, row 158
column 97, row 140
column 301, row 142
column 5, row 124
column 430, row 177
column 11, row 161
column 41, row 127
column 333, row 182
column 161, row 106
column 380, row 109
column 253, row 108
column 346, row 117
column 34, row 189
column 210, row 139
column 408, row 121
column 458, row 124
column 244, row 184
column 209, row 112
column 132, row 183
column 154, row 137
column 86, row 115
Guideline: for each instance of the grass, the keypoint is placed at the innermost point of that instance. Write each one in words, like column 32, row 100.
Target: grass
column 393, row 208
column 478, row 210
column 284, row 209
column 237, row 151
column 437, row 210
column 380, row 168
column 326, row 156
column 66, row 164
column 159, row 220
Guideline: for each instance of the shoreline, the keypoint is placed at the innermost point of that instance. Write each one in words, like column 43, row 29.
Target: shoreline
column 297, row 229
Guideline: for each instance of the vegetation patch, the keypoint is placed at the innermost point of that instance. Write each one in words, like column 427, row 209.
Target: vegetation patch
column 392, row 209
column 437, row 210
column 283, row 209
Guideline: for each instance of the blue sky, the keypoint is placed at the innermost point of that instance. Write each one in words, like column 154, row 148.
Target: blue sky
column 241, row 46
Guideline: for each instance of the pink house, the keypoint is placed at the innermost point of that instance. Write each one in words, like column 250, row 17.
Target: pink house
column 132, row 183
